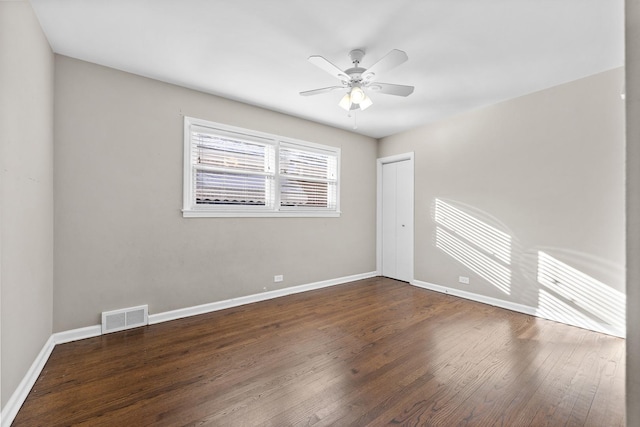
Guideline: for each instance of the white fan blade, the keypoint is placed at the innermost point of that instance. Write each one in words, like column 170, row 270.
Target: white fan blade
column 327, row 66
column 389, row 61
column 391, row 89
column 319, row 91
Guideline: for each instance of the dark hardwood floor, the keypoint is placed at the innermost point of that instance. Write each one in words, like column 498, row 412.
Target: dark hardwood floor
column 373, row 352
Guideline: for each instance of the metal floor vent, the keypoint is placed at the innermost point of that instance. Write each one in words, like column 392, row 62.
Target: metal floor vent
column 126, row 318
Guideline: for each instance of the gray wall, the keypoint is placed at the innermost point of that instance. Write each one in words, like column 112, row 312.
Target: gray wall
column 26, row 191
column 120, row 238
column 633, row 209
column 546, row 169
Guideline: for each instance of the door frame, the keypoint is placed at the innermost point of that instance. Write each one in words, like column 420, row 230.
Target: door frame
column 382, row 161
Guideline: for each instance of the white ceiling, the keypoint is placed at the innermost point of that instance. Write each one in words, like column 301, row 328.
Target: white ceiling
column 463, row 54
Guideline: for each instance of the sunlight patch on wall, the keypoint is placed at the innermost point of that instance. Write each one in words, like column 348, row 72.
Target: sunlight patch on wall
column 553, row 308
column 488, row 238
column 478, row 246
column 594, row 300
column 485, row 267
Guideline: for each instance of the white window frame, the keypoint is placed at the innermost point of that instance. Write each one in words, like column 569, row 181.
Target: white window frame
column 191, row 210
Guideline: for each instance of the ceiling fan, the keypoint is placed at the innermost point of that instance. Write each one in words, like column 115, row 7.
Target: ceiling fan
column 357, row 81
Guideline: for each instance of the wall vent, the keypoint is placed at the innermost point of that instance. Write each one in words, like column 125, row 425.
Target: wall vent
column 126, row 318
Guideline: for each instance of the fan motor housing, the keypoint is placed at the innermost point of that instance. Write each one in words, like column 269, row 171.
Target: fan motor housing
column 355, row 73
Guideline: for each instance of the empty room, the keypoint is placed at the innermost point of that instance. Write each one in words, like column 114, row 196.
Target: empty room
column 349, row 213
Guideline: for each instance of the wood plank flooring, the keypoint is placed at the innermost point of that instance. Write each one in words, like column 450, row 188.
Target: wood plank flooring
column 372, row 352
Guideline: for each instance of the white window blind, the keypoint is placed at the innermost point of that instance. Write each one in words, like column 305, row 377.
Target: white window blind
column 229, row 169
column 238, row 172
column 308, row 179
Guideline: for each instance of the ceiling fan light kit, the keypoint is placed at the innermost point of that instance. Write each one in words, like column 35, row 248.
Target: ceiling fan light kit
column 345, row 102
column 357, row 80
column 357, row 94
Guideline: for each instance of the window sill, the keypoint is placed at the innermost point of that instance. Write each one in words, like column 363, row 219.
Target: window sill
column 193, row 213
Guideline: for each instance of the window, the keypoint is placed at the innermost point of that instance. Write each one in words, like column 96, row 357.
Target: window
column 231, row 171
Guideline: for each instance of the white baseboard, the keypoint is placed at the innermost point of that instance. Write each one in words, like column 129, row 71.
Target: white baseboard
column 235, row 302
column 520, row 308
column 18, row 397
column 77, row 334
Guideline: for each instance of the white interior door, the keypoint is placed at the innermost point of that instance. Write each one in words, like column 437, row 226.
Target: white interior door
column 396, row 211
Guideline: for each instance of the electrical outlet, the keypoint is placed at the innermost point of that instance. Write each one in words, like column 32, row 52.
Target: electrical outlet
column 278, row 278
column 463, row 279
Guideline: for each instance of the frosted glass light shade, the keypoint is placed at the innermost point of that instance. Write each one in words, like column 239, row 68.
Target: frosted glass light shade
column 365, row 103
column 345, row 102
column 357, row 95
